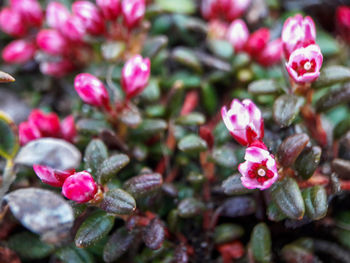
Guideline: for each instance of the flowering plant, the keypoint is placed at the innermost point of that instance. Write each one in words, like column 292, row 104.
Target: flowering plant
column 174, row 131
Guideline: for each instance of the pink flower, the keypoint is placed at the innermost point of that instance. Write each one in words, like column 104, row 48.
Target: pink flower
column 51, row 176
column 343, row 22
column 79, row 187
column 18, row 51
column 47, row 123
column 90, row 15
column 210, row 9
column 68, row 129
column 257, row 42
column 244, row 121
column 297, row 32
column 133, row 12
column 56, row 14
column 28, row 132
column 304, row 64
column 135, row 75
column 271, row 54
column 73, row 28
column 56, row 68
column 51, row 41
column 233, row 9
column 11, row 22
column 259, row 170
column 110, row 8
column 91, row 90
column 30, row 11
column 238, row 34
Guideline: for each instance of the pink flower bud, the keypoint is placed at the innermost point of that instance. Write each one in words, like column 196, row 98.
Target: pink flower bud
column 343, row 22
column 304, row 64
column 244, row 121
column 28, row 132
column 51, row 176
column 18, row 51
column 68, row 129
column 233, row 9
column 51, row 41
column 259, row 170
column 271, row 54
column 30, row 10
column 217, row 29
column 238, row 34
column 110, row 8
column 56, row 14
column 297, row 32
column 90, row 16
column 133, row 12
column 135, row 75
column 73, row 28
column 91, row 90
column 47, row 123
column 257, row 42
column 56, row 68
column 210, row 9
column 79, row 187
column 11, row 22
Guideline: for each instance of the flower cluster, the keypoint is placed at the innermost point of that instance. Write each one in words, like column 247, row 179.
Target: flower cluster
column 304, row 57
column 246, row 125
column 40, row 124
column 67, row 42
column 77, row 186
column 135, row 76
column 257, row 45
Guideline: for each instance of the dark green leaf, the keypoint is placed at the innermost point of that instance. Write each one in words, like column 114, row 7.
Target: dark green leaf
column 192, row 144
column 154, row 45
column 261, row 243
column 187, row 58
column 152, row 126
column 286, row 108
column 227, row 232
column 74, row 254
column 143, row 184
column 333, row 98
column 9, row 142
column 95, row 227
column 233, row 186
column 263, row 86
column 117, row 201
column 225, row 156
column 111, row 166
column 332, row 75
column 95, row 153
column 291, row 147
column 307, row 162
column 193, row 118
column 315, row 199
column 154, row 234
column 190, row 207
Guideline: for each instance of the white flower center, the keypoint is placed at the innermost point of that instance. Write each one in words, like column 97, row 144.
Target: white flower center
column 307, row 66
column 261, row 172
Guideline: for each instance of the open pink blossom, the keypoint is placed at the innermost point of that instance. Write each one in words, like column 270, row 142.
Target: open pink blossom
column 51, row 41
column 51, row 176
column 110, row 8
column 133, row 12
column 244, row 121
column 28, row 132
column 135, row 75
column 271, row 54
column 90, row 15
column 297, row 32
column 91, row 90
column 19, row 51
column 80, row 187
column 304, row 64
column 56, row 14
column 259, row 170
column 238, row 34
column 47, row 123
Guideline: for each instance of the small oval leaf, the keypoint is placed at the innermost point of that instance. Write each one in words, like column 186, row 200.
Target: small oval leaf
column 190, row 207
column 117, row 201
column 9, row 142
column 263, row 86
column 233, row 186
column 307, row 162
column 316, row 204
column 143, row 184
column 95, row 153
column 332, row 75
column 261, row 243
column 286, row 108
column 111, row 166
column 154, row 234
column 192, row 144
column 291, row 147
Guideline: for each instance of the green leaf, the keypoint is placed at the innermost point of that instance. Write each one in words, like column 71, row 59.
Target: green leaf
column 307, row 162
column 316, row 204
column 143, row 184
column 111, row 166
column 117, row 201
column 152, row 92
column 193, row 118
column 9, row 142
column 263, row 86
column 192, row 144
column 225, row 156
column 260, row 241
column 151, row 126
column 328, row 44
column 274, row 213
column 286, row 108
column 221, row 48
column 29, row 246
column 95, row 153
column 118, row 244
column 154, row 45
column 227, row 232
column 95, row 227
column 287, row 196
column 291, row 147
column 186, row 57
column 178, row 6
column 233, row 186
column 112, row 50
column 209, row 98
column 332, row 75
column 74, row 254
column 190, row 207
column 333, row 98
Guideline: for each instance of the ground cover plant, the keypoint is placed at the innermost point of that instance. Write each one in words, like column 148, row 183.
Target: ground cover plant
column 175, row 131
